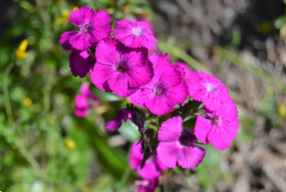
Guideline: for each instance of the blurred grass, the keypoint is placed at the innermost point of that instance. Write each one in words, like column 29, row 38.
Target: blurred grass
column 250, row 68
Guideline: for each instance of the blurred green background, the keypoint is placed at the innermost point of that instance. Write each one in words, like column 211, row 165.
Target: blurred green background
column 45, row 147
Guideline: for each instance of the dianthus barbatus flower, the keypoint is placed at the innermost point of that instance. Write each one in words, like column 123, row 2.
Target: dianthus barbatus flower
column 81, row 106
column 84, row 101
column 119, row 68
column 116, row 123
column 187, row 73
column 165, row 90
column 177, row 146
column 153, row 166
column 94, row 26
column 147, row 185
column 221, row 129
column 81, row 62
column 208, row 89
column 135, row 34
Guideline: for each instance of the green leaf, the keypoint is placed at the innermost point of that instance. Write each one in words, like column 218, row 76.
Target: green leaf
column 280, row 21
column 105, row 96
column 110, row 158
column 129, row 131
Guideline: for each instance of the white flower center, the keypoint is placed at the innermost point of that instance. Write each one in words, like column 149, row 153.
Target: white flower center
column 137, row 31
column 210, row 87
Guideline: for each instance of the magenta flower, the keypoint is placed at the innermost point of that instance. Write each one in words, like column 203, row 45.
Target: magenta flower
column 116, row 123
column 153, row 166
column 94, row 26
column 147, row 185
column 120, row 69
column 177, row 146
column 221, row 128
column 165, row 90
column 82, row 106
column 208, row 89
column 65, row 40
column 84, row 101
column 81, row 62
column 186, row 72
column 146, row 21
column 135, row 34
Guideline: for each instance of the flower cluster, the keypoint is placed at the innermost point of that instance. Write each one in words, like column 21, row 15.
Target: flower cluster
column 84, row 101
column 163, row 96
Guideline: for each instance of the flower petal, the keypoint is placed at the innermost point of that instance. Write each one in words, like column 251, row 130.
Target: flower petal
column 171, row 129
column 202, row 129
column 191, row 156
column 168, row 153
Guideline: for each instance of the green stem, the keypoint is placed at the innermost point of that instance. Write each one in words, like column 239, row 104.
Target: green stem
column 27, row 155
column 20, row 146
column 46, row 98
column 7, row 102
column 124, row 178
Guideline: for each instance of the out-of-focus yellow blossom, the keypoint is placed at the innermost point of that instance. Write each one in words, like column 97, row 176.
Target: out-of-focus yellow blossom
column 70, row 144
column 87, row 190
column 75, row 8
column 282, row 110
column 21, row 51
column 175, row 51
column 65, row 16
column 265, row 27
column 283, row 32
column 27, row 102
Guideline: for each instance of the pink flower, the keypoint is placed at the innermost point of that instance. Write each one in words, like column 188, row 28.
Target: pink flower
column 94, row 26
column 81, row 106
column 177, row 147
column 65, row 40
column 81, row 62
column 84, row 101
column 165, row 90
column 153, row 166
column 135, row 34
column 208, row 89
column 221, row 128
column 149, row 23
column 116, row 123
column 120, row 69
column 147, row 185
column 186, row 72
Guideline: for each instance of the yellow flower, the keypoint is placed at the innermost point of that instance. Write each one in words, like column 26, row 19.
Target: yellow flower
column 21, row 51
column 175, row 51
column 65, row 16
column 282, row 110
column 87, row 190
column 27, row 102
column 75, row 8
column 265, row 27
column 70, row 144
